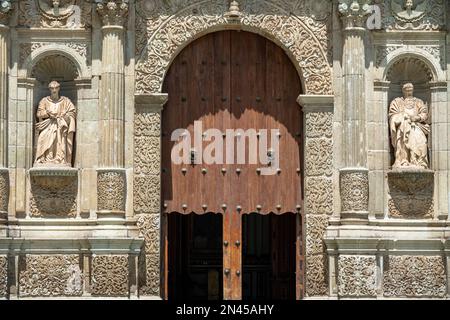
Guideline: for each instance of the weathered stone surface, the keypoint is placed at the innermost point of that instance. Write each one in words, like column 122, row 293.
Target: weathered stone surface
column 414, row 276
column 3, row 275
column 110, row 275
column 357, row 276
column 50, row 275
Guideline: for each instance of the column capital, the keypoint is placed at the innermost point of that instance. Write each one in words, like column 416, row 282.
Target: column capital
column 354, row 13
column 5, row 10
column 112, row 12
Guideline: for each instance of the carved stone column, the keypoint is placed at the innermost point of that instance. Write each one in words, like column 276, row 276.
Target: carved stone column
column 354, row 177
column 147, row 187
column 111, row 178
column 5, row 10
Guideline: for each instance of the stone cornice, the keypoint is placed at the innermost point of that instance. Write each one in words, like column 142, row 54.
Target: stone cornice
column 5, row 10
column 112, row 12
column 354, row 13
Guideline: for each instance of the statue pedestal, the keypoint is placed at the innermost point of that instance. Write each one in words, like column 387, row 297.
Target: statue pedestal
column 411, row 193
column 53, row 191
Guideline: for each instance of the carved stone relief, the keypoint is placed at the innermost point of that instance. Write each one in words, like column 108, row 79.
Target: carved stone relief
column 316, row 226
column 414, row 276
column 4, row 191
column 316, row 275
column 354, row 191
column 317, row 200
column 53, row 197
column 110, row 275
column 319, row 124
column 319, row 159
column 149, row 266
column 5, row 10
column 3, row 275
column 50, row 275
column 168, row 26
column 411, row 194
column 357, row 276
column 149, row 229
column 111, row 190
column 413, row 14
column 72, row 14
column 113, row 12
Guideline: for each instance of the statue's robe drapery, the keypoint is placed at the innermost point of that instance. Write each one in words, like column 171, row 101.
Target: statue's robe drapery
column 409, row 138
column 56, row 129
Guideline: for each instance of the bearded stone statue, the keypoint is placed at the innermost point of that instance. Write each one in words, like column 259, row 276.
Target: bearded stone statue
column 409, row 130
column 56, row 127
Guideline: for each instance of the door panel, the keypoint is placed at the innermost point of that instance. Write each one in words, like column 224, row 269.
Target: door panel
column 233, row 80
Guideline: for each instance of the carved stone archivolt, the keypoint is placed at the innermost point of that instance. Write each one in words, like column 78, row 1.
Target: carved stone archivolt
column 50, row 275
column 110, row 275
column 111, row 190
column 72, row 14
column 414, row 276
column 357, row 276
column 167, row 26
column 413, row 14
column 3, row 275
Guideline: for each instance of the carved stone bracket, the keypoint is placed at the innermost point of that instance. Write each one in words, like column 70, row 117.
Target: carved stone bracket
column 111, row 192
column 53, row 191
column 411, row 193
column 113, row 12
column 354, row 189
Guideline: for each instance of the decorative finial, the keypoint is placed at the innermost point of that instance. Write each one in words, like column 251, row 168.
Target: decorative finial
column 234, row 14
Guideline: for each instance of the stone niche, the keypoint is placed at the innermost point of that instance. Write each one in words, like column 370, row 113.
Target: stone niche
column 410, row 193
column 53, row 192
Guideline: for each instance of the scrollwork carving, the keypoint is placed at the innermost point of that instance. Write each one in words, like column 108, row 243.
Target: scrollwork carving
column 354, row 186
column 50, row 275
column 3, row 275
column 110, row 275
column 111, row 190
column 319, row 160
column 414, row 276
column 149, row 229
column 319, row 124
column 316, row 225
column 357, row 276
column 316, row 275
column 150, row 277
column 147, row 191
column 169, row 26
column 319, row 195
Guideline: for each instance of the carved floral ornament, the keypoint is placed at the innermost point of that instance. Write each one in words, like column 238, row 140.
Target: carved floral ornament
column 301, row 27
column 354, row 12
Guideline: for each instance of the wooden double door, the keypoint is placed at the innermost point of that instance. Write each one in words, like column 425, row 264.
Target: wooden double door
column 234, row 82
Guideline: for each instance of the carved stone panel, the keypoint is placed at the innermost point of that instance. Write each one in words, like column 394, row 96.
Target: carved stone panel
column 50, row 275
column 414, row 276
column 3, row 275
column 413, row 15
column 72, row 14
column 354, row 187
column 357, row 276
column 110, row 275
column 318, row 158
column 318, row 195
column 319, row 124
column 4, row 191
column 111, row 190
column 149, row 271
column 149, row 229
column 316, row 275
column 316, row 226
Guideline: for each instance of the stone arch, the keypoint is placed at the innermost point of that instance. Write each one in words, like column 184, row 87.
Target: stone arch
column 303, row 39
column 55, row 49
column 427, row 61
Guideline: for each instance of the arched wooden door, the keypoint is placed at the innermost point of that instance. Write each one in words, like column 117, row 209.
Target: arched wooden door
column 234, row 80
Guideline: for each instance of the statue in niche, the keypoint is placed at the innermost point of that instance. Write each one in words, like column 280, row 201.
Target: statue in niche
column 56, row 127
column 409, row 129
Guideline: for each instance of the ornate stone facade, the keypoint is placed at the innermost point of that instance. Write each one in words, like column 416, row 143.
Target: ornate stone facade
column 354, row 191
column 357, row 276
column 110, row 275
column 50, row 275
column 414, row 276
